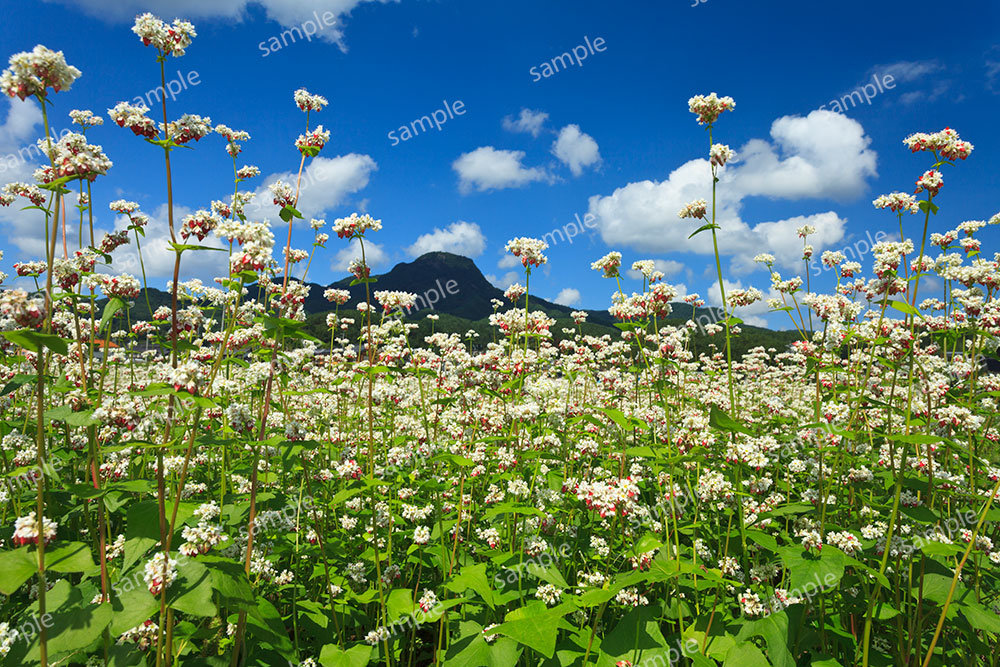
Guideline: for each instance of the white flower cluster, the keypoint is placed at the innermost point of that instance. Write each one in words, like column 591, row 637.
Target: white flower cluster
column 309, row 102
column 133, row 116
column 85, row 118
column 31, row 72
column 355, row 225
column 528, row 250
column 160, row 572
column 709, row 107
column 395, row 300
column 26, row 530
column 171, row 40
column 694, row 209
column 610, row 264
column 945, row 143
column 897, row 202
column 720, row 154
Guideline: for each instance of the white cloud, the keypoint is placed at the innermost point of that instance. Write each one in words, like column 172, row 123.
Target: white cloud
column 375, row 256
column 288, row 13
column 508, row 261
column 461, row 238
column 824, row 155
column 576, row 149
column 908, row 70
column 569, row 296
column 504, row 281
column 326, row 182
column 780, row 239
column 529, row 121
column 487, row 168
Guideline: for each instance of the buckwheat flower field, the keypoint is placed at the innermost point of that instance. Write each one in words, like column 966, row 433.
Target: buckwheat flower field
column 216, row 485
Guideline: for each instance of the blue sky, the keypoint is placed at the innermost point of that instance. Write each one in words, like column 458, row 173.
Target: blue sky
column 616, row 141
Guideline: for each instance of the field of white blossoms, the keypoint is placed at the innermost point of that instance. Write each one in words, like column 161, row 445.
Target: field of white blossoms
column 218, row 487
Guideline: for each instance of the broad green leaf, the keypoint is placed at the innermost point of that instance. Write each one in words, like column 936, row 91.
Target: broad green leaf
column 811, row 573
column 113, row 305
column 537, row 630
column 745, row 654
column 472, row 650
column 774, row 630
column 71, row 557
column 34, row 341
column 474, row 577
column 332, row 655
column 724, row 422
column 16, row 567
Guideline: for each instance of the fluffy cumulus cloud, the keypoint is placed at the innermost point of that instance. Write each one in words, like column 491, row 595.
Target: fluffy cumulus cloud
column 528, row 121
column 576, row 149
column 569, row 296
column 461, row 238
column 487, row 168
column 375, row 256
column 820, row 156
column 290, row 14
column 326, row 183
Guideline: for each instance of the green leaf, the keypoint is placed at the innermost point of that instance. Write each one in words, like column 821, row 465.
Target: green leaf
column 17, row 382
column 724, row 422
column 35, row 341
column 745, row 654
column 264, row 625
column 113, row 305
column 181, row 247
column 904, row 307
column 637, row 631
column 73, row 623
column 774, row 630
column 926, row 205
column 473, row 577
column 332, row 655
column 131, row 602
column 537, row 630
column 16, row 567
column 703, row 228
column 472, row 650
column 71, row 557
column 191, row 592
column 229, row 581
column 287, row 213
column 812, row 573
